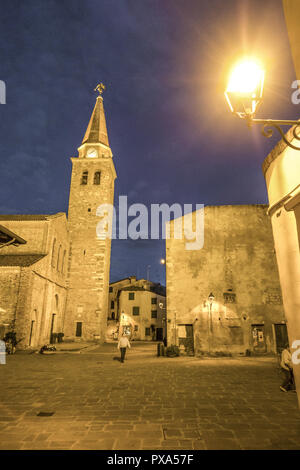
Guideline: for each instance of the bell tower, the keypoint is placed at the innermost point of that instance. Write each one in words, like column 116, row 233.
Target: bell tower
column 92, row 184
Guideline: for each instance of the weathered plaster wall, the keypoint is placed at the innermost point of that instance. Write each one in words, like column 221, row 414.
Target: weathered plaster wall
column 143, row 300
column 238, row 259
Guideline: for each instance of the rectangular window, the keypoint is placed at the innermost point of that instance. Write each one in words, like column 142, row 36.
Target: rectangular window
column 135, row 310
column 154, row 314
column 79, row 329
column 112, row 304
column 154, row 300
column 110, row 289
column 97, row 177
column 147, row 331
column 136, row 327
column 131, row 296
column 84, row 177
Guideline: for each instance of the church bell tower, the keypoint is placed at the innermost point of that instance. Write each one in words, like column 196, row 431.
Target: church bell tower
column 92, row 184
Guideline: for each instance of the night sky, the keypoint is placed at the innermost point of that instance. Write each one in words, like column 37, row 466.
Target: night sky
column 165, row 65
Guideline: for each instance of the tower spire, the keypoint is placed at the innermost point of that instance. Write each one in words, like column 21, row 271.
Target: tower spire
column 96, row 131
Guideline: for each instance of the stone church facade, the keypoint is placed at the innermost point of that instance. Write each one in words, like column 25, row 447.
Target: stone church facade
column 226, row 298
column 58, row 281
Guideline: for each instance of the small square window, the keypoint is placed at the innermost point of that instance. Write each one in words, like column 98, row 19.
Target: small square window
column 131, row 296
column 135, row 310
column 154, row 300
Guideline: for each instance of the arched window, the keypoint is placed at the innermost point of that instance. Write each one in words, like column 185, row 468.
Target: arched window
column 97, row 177
column 53, row 253
column 84, row 177
column 58, row 258
column 56, row 303
column 63, row 262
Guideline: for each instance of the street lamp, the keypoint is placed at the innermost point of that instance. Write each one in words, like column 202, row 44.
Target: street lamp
column 211, row 298
column 244, row 96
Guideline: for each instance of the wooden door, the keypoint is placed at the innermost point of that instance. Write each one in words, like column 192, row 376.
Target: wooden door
column 281, row 336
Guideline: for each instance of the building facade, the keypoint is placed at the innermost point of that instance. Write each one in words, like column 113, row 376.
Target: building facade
column 225, row 298
column 58, row 281
column 137, row 308
column 33, row 278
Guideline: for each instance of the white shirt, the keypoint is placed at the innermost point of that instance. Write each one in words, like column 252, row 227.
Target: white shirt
column 286, row 360
column 123, row 342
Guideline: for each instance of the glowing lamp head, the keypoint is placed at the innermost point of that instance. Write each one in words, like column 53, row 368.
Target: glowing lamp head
column 245, row 88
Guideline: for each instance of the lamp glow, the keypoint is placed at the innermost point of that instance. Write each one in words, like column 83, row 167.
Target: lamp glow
column 246, row 77
column 245, row 87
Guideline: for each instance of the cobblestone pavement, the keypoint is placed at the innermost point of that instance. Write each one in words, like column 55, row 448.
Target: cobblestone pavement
column 148, row 402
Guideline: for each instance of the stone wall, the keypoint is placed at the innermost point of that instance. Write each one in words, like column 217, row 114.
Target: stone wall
column 89, row 257
column 237, row 264
column 35, row 290
column 9, row 286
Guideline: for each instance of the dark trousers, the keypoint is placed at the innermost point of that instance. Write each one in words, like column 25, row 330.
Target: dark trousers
column 123, row 352
column 288, row 381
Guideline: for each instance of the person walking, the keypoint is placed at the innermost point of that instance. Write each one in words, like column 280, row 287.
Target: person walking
column 123, row 344
column 287, row 369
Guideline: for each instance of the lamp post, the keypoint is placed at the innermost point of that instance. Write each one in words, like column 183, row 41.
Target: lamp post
column 164, row 320
column 244, row 96
column 281, row 173
column 211, row 298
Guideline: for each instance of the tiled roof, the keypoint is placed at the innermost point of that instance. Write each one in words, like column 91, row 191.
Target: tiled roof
column 20, row 260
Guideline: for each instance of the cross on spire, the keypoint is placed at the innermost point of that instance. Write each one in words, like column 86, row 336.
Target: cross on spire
column 100, row 88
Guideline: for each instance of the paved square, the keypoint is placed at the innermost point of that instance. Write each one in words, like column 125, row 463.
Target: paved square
column 148, row 402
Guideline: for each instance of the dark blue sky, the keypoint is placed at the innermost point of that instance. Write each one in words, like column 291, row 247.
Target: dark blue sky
column 165, row 65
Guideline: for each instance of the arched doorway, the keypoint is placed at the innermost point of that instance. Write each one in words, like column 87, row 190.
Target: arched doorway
column 53, row 319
